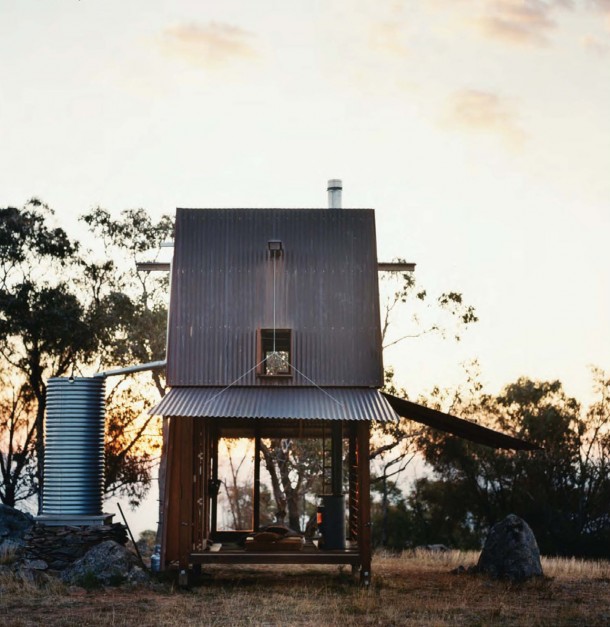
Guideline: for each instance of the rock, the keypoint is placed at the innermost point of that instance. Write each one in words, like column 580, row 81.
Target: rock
column 108, row 563
column 511, row 551
column 137, row 575
column 14, row 524
column 63, row 545
column 35, row 564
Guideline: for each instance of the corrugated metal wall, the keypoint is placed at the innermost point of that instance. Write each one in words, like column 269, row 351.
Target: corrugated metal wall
column 326, row 292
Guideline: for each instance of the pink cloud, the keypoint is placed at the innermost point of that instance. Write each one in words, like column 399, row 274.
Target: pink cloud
column 473, row 110
column 212, row 45
column 519, row 21
column 596, row 45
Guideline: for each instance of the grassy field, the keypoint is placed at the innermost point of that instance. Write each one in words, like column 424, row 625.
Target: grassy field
column 411, row 589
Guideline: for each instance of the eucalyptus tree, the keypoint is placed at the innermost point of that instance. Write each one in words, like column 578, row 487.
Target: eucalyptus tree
column 563, row 491
column 132, row 317
column 62, row 314
column 45, row 329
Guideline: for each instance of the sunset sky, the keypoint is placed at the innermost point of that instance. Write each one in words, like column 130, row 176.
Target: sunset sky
column 478, row 130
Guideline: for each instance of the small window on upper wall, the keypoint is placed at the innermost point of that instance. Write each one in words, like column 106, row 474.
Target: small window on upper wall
column 275, row 352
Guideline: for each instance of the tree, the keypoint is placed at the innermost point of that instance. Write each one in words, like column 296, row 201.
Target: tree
column 44, row 328
column 132, row 442
column 393, row 446
column 132, row 306
column 295, row 470
column 60, row 314
column 17, row 446
column 391, row 524
column 448, row 314
column 137, row 301
column 562, row 492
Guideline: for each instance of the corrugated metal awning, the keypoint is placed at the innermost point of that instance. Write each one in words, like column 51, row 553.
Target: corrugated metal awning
column 457, row 426
column 298, row 403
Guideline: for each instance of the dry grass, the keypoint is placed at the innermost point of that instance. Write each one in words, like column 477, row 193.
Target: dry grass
column 411, row 589
column 8, row 554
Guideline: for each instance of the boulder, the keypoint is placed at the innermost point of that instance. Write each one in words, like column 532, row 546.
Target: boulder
column 511, row 551
column 34, row 564
column 108, row 563
column 14, row 524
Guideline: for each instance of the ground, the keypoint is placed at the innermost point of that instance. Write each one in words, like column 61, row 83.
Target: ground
column 410, row 589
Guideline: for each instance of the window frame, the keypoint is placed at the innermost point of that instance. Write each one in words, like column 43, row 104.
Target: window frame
column 260, row 352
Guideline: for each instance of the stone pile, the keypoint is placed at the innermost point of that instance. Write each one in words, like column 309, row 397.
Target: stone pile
column 59, row 547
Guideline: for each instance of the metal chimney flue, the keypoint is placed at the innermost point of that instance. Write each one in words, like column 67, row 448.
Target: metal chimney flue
column 335, row 188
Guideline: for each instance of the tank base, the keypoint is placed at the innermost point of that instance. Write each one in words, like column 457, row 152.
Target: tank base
column 73, row 520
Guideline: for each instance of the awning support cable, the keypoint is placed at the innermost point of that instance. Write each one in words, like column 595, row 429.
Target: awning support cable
column 274, row 354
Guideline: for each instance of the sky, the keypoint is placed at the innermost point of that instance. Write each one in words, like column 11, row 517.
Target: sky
column 479, row 130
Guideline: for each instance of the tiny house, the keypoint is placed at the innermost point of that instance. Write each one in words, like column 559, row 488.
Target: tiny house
column 274, row 332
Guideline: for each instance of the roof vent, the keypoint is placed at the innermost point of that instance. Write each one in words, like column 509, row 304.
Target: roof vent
column 335, row 187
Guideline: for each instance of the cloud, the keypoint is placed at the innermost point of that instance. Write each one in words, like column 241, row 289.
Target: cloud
column 520, row 21
column 603, row 6
column 596, row 45
column 478, row 111
column 212, row 46
column 388, row 37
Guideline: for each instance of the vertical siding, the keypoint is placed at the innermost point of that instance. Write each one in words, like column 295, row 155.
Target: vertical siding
column 326, row 292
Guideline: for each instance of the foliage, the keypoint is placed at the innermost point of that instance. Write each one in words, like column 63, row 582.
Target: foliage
column 562, row 492
column 393, row 445
column 239, row 493
column 146, row 542
column 391, row 520
column 132, row 305
column 132, row 309
column 17, row 443
column 445, row 314
column 133, row 442
column 392, row 450
column 45, row 329
column 60, row 313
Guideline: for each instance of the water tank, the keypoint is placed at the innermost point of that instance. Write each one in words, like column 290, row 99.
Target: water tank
column 74, row 451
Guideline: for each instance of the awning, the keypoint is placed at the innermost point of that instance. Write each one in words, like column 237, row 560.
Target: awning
column 301, row 403
column 457, row 426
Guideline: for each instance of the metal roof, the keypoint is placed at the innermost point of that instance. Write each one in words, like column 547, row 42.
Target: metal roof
column 299, row 403
column 457, row 426
column 324, row 288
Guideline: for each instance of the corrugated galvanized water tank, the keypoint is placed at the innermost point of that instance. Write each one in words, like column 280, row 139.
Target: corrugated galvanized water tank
column 74, row 448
